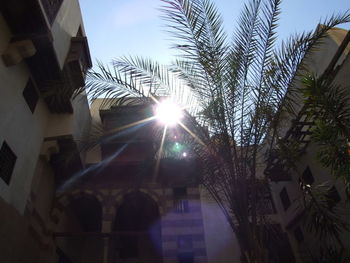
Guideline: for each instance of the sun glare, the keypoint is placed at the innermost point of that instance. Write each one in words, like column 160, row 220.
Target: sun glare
column 168, row 113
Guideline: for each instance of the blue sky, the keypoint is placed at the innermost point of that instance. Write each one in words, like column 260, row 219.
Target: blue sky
column 118, row 28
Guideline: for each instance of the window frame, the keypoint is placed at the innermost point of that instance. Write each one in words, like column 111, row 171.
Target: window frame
column 180, row 200
column 6, row 169
column 31, row 95
column 285, row 200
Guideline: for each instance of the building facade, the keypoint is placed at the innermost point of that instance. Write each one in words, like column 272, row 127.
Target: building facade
column 58, row 204
column 332, row 57
column 135, row 203
column 44, row 57
column 129, row 198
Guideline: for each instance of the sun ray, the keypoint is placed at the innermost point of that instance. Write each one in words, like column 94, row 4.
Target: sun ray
column 131, row 125
column 156, row 169
column 97, row 167
column 191, row 133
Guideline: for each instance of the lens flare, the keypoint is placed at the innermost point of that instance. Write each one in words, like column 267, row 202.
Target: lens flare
column 168, row 113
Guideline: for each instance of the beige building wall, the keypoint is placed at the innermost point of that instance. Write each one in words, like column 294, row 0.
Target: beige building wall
column 317, row 63
column 19, row 127
column 23, row 130
column 221, row 244
column 66, row 25
column 26, row 202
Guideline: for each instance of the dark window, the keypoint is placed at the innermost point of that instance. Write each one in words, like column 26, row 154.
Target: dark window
column 30, row 95
column 285, row 198
column 181, row 206
column 185, row 257
column 180, row 200
column 51, row 8
column 184, row 242
column 307, row 177
column 265, row 203
column 333, row 197
column 298, row 234
column 7, row 162
column 179, row 192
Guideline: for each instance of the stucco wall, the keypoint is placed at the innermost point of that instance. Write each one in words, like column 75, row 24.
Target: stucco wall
column 76, row 124
column 65, row 26
column 221, row 244
column 317, row 64
column 22, row 129
column 94, row 155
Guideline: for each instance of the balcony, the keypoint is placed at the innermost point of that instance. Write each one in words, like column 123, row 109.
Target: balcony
column 179, row 171
column 78, row 61
column 51, row 8
column 66, row 162
column 27, row 20
column 56, row 85
column 128, row 153
column 278, row 173
column 24, row 17
column 58, row 91
column 276, row 169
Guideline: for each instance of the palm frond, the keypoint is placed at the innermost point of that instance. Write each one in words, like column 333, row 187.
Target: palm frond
column 105, row 83
column 238, row 90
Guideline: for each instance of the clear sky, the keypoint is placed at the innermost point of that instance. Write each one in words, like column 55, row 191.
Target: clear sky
column 118, row 28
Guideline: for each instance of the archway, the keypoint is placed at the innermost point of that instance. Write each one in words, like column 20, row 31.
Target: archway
column 80, row 223
column 88, row 211
column 138, row 224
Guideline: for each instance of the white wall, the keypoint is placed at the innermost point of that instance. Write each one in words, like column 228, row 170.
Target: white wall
column 317, row 64
column 22, row 129
column 221, row 244
column 65, row 26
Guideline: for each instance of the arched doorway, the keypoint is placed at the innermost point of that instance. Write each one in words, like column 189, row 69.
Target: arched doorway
column 138, row 222
column 88, row 211
column 82, row 216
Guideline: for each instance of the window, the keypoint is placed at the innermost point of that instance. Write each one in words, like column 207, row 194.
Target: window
column 285, row 198
column 181, row 206
column 185, row 257
column 51, row 8
column 184, row 242
column 298, row 234
column 333, row 197
column 265, row 205
column 179, row 192
column 30, row 95
column 7, row 162
column 180, row 200
column 307, row 177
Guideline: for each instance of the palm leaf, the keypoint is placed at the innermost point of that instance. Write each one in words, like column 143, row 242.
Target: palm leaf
column 238, row 89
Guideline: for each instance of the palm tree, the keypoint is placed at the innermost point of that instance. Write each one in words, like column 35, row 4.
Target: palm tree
column 235, row 90
column 327, row 105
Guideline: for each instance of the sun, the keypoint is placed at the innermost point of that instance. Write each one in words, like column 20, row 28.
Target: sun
column 168, row 113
